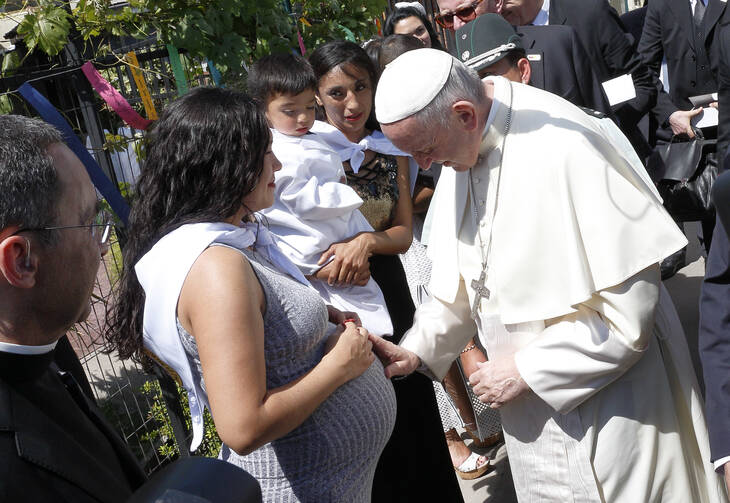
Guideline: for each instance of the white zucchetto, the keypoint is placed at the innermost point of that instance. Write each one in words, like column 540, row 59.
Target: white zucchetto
column 410, row 82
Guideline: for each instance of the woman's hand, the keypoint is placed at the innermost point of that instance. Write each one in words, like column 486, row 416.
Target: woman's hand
column 350, row 265
column 350, row 350
column 338, row 317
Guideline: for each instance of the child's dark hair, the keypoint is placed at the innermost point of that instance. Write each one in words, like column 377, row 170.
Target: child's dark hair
column 280, row 74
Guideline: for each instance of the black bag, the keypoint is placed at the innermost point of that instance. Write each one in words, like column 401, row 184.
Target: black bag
column 684, row 171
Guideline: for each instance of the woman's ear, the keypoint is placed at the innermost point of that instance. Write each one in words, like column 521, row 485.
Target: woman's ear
column 17, row 264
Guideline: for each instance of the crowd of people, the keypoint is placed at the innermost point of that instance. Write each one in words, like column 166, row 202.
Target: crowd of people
column 381, row 244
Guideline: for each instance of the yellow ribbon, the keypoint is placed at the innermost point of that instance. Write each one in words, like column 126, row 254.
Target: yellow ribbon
column 144, row 93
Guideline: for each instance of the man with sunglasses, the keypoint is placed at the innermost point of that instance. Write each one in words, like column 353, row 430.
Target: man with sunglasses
column 54, row 443
column 599, row 29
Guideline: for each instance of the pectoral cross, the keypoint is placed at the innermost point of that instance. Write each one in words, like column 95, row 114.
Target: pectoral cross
column 480, row 292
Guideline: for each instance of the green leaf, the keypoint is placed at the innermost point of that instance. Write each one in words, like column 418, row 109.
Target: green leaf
column 11, row 61
column 46, row 29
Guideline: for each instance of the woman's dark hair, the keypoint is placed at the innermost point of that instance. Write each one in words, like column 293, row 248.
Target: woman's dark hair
column 342, row 53
column 205, row 154
column 406, row 12
column 280, row 74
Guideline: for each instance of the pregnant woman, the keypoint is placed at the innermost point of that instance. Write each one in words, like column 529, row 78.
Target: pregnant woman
column 299, row 402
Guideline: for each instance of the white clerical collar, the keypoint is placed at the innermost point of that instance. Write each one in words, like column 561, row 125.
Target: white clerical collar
column 543, row 17
column 21, row 349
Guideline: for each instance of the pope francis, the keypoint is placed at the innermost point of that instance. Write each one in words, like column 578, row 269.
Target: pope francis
column 547, row 240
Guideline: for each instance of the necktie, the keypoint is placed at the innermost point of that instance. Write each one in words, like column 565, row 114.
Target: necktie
column 699, row 13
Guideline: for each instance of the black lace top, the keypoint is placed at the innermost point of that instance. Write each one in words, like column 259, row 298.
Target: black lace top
column 376, row 182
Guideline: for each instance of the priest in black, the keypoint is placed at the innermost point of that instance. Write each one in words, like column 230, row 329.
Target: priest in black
column 54, row 443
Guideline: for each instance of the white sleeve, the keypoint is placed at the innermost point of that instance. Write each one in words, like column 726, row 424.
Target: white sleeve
column 440, row 331
column 578, row 354
column 309, row 186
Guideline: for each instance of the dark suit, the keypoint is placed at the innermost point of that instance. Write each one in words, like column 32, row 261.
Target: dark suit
column 561, row 66
column 604, row 37
column 609, row 48
column 54, row 443
column 692, row 61
column 633, row 21
column 723, row 83
column 714, row 335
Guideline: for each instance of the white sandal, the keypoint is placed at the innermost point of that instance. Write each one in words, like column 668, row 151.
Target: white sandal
column 470, row 468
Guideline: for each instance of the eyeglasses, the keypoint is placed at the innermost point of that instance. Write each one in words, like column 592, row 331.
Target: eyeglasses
column 466, row 14
column 100, row 229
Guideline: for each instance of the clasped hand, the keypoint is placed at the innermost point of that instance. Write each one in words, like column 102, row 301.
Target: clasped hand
column 350, row 265
column 498, row 382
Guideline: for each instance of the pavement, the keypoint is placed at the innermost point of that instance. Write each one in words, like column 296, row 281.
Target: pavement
column 496, row 486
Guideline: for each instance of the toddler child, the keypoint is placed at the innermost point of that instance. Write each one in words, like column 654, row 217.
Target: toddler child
column 313, row 208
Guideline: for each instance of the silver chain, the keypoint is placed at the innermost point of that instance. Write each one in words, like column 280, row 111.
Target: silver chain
column 507, row 126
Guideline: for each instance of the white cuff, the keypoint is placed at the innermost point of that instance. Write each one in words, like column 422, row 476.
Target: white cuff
column 720, row 464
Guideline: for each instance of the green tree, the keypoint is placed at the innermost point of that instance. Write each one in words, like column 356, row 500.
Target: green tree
column 228, row 32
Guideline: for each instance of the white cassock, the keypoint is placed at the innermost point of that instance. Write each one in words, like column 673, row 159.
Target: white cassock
column 613, row 412
column 313, row 209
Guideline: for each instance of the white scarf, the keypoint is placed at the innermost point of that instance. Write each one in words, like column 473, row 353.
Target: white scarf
column 162, row 272
column 355, row 152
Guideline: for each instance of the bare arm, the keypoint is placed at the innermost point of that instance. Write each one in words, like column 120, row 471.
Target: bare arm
column 221, row 305
column 351, row 255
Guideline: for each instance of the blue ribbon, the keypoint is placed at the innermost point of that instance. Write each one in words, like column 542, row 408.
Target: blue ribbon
column 100, row 180
column 215, row 73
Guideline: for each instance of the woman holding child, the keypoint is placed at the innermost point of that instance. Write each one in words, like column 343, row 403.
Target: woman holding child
column 300, row 404
column 415, row 465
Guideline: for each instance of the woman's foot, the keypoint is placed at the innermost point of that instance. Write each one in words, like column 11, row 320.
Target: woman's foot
column 468, row 465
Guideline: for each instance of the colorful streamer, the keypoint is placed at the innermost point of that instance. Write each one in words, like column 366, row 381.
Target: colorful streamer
column 100, row 180
column 177, row 69
column 301, row 44
column 144, row 93
column 112, row 98
column 214, row 73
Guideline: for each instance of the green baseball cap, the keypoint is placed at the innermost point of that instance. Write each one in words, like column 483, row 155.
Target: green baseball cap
column 485, row 40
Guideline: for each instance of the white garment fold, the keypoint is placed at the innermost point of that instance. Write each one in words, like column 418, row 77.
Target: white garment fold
column 355, row 152
column 312, row 209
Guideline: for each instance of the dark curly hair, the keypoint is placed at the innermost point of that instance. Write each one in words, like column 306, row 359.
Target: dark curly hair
column 406, row 12
column 342, row 53
column 205, row 154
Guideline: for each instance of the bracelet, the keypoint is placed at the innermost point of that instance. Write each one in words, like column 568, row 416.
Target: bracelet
column 348, row 320
column 469, row 348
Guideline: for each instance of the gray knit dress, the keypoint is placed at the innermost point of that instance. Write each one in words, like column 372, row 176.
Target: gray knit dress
column 331, row 456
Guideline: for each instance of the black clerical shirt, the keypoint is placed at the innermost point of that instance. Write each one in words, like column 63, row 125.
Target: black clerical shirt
column 54, row 443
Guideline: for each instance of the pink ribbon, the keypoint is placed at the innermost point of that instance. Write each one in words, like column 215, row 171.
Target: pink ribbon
column 301, row 44
column 112, row 97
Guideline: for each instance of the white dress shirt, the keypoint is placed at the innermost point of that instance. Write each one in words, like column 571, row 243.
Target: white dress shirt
column 543, row 17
